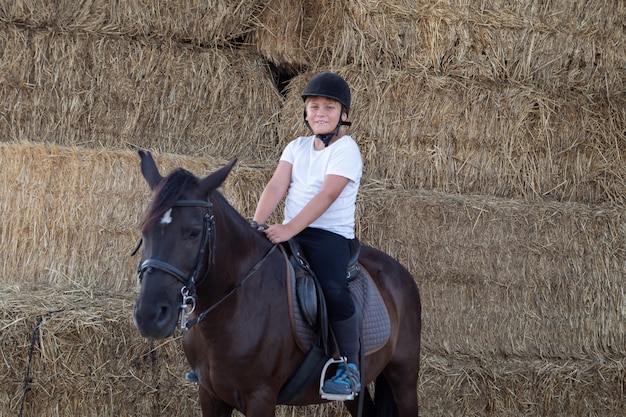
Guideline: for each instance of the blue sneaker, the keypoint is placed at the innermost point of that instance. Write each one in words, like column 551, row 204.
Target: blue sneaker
column 344, row 381
column 191, row 377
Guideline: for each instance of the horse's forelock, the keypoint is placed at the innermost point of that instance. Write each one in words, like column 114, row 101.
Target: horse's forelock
column 165, row 195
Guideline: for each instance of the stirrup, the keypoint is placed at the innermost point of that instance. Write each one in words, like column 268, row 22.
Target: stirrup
column 334, row 397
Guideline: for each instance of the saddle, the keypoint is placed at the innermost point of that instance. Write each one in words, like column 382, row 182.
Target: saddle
column 309, row 295
column 309, row 319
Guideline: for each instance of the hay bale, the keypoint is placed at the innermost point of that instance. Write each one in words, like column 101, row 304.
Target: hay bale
column 479, row 137
column 89, row 360
column 280, row 35
column 508, row 278
column 524, row 303
column 549, row 46
column 60, row 222
column 200, row 22
column 550, row 271
column 87, row 357
column 74, row 212
column 511, row 387
column 473, row 119
column 305, row 34
column 88, row 90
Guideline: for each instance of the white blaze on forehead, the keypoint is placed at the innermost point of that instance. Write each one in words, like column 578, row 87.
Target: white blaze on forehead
column 167, row 217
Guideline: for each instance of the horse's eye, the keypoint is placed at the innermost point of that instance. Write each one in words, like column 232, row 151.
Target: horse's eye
column 195, row 233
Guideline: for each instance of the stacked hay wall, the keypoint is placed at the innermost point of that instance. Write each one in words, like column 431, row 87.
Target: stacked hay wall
column 493, row 137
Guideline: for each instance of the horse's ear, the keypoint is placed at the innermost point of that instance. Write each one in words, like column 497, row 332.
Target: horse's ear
column 149, row 169
column 216, row 179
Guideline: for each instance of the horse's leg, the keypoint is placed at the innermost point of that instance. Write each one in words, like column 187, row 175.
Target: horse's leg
column 255, row 407
column 402, row 371
column 402, row 380
column 212, row 407
column 368, row 405
column 261, row 403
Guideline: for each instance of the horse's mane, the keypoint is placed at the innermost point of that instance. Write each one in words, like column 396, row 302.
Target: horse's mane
column 166, row 193
column 170, row 190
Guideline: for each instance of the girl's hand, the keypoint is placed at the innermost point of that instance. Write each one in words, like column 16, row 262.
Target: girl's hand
column 277, row 233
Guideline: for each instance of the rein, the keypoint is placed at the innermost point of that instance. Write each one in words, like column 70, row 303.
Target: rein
column 190, row 282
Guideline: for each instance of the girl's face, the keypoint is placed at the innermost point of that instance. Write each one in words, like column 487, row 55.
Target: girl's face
column 323, row 114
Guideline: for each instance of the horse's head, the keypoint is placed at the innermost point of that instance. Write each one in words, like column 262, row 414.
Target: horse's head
column 177, row 233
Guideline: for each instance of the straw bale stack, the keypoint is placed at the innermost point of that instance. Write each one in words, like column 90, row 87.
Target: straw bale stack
column 521, row 299
column 550, row 44
column 461, row 386
column 73, row 213
column 87, row 358
column 452, row 126
column 493, row 137
column 512, row 279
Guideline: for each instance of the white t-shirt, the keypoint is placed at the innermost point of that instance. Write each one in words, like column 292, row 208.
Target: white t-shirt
column 309, row 167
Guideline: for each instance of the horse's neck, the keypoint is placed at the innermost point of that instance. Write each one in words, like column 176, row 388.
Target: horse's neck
column 237, row 250
column 238, row 246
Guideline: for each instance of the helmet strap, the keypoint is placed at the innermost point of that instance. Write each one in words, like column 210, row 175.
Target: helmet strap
column 328, row 136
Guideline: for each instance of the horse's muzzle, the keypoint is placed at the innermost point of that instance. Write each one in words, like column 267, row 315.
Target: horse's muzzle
column 155, row 321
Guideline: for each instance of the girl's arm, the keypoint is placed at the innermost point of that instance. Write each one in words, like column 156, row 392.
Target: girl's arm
column 273, row 192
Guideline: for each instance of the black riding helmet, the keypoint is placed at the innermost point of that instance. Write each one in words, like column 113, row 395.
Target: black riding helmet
column 333, row 86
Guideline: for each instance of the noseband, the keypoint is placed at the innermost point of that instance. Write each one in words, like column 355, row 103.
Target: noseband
column 190, row 282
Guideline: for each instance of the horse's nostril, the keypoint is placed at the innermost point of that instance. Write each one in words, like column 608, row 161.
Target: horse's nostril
column 164, row 313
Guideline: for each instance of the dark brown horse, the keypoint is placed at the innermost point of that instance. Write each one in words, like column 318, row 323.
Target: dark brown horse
column 203, row 263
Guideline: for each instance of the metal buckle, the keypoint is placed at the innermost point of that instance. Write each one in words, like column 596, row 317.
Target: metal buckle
column 186, row 308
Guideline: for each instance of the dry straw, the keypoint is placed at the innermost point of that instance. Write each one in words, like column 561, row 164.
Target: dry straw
column 87, row 357
column 92, row 90
column 73, row 216
column 88, row 360
column 74, row 213
column 479, row 121
column 514, row 387
column 550, row 45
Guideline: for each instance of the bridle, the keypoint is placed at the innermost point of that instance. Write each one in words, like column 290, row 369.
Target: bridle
column 190, row 282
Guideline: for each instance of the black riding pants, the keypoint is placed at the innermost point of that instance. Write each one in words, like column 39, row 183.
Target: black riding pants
column 328, row 255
